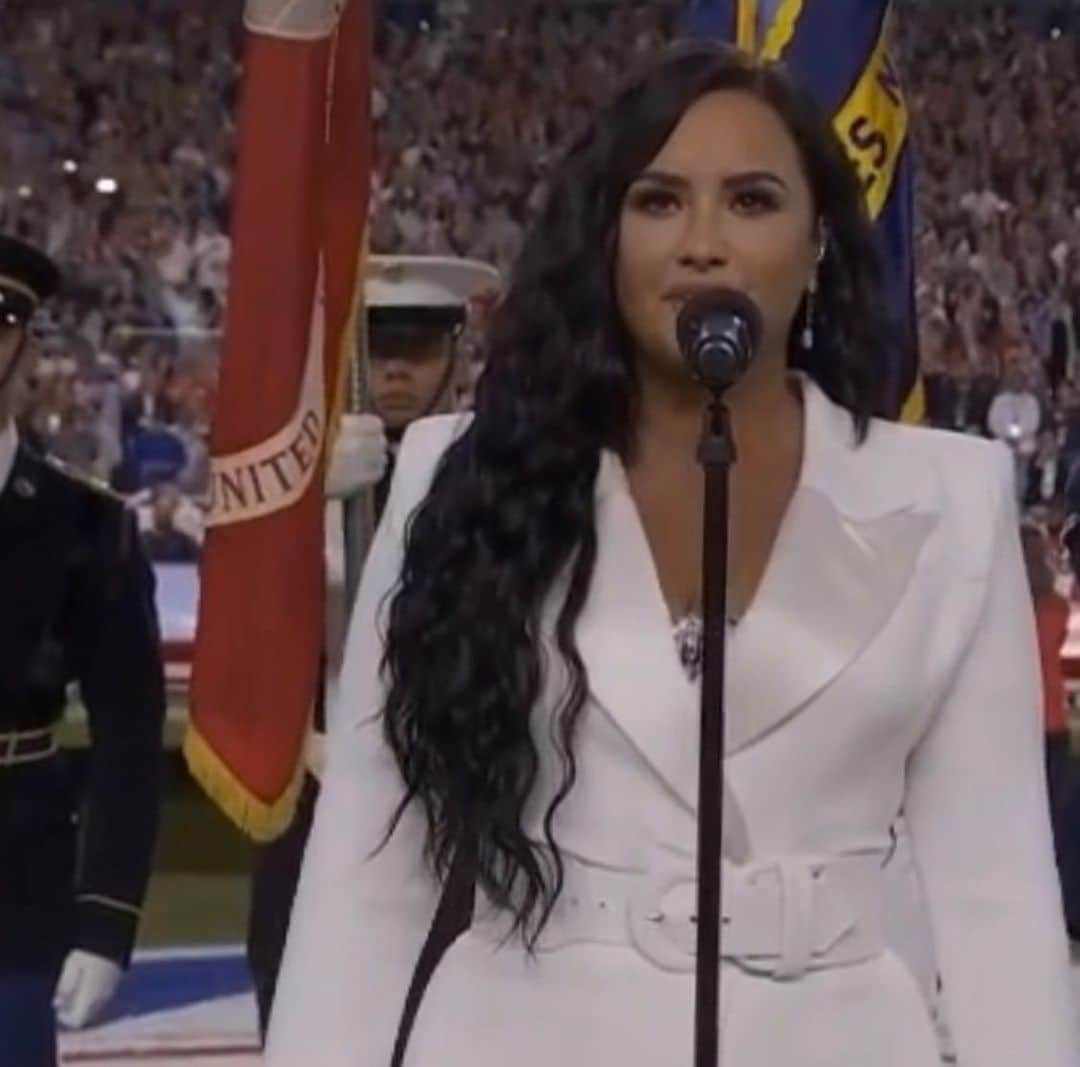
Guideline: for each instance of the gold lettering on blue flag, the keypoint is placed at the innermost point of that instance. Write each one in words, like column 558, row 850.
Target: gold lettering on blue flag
column 781, row 29
column 873, row 124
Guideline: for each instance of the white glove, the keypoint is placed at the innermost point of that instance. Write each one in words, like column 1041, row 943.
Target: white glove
column 359, row 457
column 87, row 984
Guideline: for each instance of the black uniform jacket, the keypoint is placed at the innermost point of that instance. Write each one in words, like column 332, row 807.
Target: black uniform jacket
column 76, row 606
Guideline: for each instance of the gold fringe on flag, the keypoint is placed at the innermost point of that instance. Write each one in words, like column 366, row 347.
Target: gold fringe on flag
column 253, row 816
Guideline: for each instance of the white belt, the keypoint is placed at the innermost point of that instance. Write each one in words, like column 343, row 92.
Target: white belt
column 781, row 917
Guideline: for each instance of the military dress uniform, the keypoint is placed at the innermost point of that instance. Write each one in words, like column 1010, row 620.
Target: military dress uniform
column 77, row 607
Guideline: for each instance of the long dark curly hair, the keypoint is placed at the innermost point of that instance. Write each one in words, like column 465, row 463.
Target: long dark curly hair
column 511, row 510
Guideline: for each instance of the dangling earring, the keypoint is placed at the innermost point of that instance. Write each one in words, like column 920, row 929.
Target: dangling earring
column 808, row 325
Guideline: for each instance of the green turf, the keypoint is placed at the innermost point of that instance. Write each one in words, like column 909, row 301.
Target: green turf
column 194, row 909
column 199, row 890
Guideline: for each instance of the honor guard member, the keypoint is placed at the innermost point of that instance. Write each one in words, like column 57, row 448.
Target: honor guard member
column 77, row 606
column 417, row 308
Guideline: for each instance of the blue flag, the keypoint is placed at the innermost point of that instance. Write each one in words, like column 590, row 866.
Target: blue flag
column 837, row 50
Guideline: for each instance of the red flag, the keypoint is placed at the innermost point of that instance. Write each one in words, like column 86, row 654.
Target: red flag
column 300, row 202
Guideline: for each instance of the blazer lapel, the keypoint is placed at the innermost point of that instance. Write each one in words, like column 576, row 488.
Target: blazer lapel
column 831, row 586
column 627, row 644
column 846, row 551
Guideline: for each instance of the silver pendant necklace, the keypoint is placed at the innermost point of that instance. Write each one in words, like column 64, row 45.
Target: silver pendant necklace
column 689, row 636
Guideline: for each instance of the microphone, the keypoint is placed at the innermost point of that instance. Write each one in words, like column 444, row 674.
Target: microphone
column 719, row 331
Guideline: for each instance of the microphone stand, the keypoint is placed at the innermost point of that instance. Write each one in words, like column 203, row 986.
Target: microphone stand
column 716, row 452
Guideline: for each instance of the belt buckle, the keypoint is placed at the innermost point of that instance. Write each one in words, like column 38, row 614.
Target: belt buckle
column 784, row 891
column 750, row 889
column 665, row 938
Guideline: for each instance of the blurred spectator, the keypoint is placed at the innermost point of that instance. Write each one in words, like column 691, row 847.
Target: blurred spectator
column 1014, row 418
column 171, row 251
column 117, row 155
column 1052, row 618
column 147, row 399
column 211, row 252
column 1046, row 474
column 165, row 542
column 1067, row 420
column 152, row 454
column 152, row 450
column 944, row 367
column 192, row 432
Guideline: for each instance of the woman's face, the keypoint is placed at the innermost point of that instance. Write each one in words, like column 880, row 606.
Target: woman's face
column 724, row 203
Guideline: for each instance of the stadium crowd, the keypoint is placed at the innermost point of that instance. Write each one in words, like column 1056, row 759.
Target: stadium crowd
column 118, row 122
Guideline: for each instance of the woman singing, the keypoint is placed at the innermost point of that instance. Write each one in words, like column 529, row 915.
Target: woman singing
column 521, row 685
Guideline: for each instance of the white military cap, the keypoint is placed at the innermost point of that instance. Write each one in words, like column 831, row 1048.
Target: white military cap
column 426, row 284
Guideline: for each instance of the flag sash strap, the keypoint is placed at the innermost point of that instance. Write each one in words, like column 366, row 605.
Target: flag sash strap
column 274, row 474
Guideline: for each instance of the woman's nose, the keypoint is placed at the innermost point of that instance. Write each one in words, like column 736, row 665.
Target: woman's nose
column 704, row 243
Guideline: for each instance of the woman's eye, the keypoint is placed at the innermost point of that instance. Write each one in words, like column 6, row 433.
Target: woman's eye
column 654, row 201
column 754, row 201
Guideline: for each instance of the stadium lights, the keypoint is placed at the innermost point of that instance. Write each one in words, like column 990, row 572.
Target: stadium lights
column 107, row 186
column 25, row 192
column 70, row 166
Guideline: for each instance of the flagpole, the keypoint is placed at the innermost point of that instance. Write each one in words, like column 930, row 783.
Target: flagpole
column 357, row 512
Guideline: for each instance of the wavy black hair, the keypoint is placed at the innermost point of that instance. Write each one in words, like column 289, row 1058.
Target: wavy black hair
column 511, row 508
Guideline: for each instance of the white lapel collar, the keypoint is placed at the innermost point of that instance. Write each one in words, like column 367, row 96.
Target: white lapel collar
column 627, row 644
column 846, row 551
column 626, row 640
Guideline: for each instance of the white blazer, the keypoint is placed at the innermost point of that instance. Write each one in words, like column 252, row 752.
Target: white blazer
column 888, row 662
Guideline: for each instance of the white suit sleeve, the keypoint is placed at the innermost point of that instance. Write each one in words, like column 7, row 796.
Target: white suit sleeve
column 979, row 820
column 361, row 915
